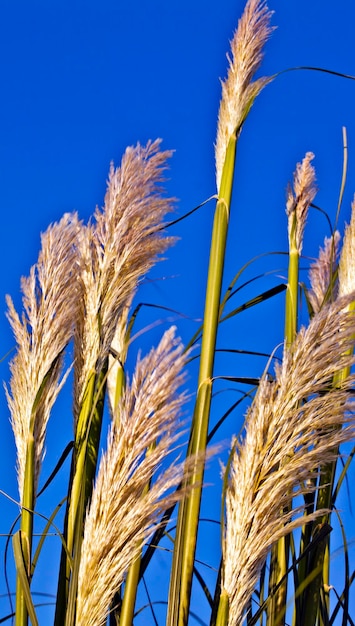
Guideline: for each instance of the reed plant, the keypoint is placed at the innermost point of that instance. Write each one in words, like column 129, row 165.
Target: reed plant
column 284, row 469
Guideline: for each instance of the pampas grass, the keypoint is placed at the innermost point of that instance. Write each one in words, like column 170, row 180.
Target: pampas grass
column 239, row 90
column 116, row 251
column 122, row 513
column 50, row 297
column 292, row 424
column 278, row 488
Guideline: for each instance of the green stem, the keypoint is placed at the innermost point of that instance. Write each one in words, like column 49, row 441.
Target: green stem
column 26, row 529
column 188, row 517
column 223, row 609
column 292, row 297
column 280, row 552
column 84, row 462
column 130, row 593
column 133, row 577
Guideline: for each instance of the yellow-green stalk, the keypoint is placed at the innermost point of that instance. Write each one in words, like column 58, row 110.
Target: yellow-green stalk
column 186, row 533
column 26, row 530
column 132, row 580
column 223, row 609
column 298, row 200
column 238, row 94
column 86, row 445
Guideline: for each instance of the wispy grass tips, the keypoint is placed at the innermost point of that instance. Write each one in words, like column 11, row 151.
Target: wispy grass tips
column 116, row 251
column 239, row 90
column 50, row 297
column 299, row 199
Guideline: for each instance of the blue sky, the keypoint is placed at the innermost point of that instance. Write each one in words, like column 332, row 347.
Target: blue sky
column 82, row 80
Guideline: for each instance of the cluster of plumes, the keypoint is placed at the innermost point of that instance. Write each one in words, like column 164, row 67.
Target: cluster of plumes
column 50, row 299
column 299, row 198
column 123, row 512
column 239, row 90
column 286, row 438
column 297, row 421
column 81, row 287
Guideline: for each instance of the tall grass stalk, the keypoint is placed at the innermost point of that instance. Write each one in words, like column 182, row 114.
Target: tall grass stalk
column 239, row 93
column 280, row 482
column 299, row 199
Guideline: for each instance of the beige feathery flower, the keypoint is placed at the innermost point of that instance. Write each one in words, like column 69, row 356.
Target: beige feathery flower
column 298, row 200
column 281, row 425
column 347, row 258
column 122, row 512
column 238, row 90
column 322, row 273
column 117, row 250
column 42, row 332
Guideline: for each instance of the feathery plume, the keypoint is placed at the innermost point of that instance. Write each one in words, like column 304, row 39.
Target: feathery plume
column 117, row 251
column 322, row 273
column 299, row 199
column 122, row 512
column 238, row 90
column 285, row 439
column 347, row 258
column 42, row 332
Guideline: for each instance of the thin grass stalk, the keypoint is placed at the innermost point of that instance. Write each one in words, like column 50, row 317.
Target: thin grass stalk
column 87, row 442
column 280, row 552
column 84, row 463
column 26, row 530
column 298, row 202
column 126, row 613
column 133, row 577
column 238, row 94
column 116, row 383
column 223, row 609
column 188, row 517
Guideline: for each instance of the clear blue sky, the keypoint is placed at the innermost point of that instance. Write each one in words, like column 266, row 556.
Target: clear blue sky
column 81, row 80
